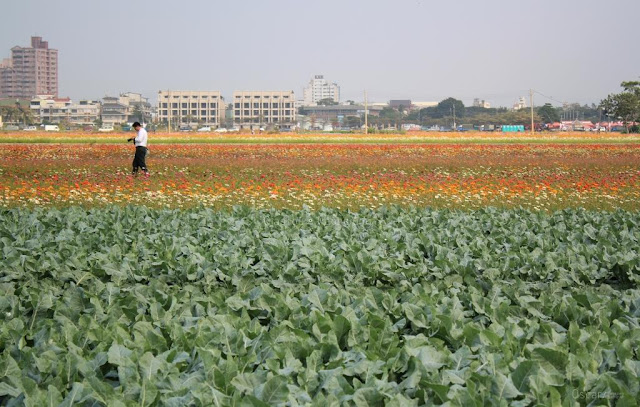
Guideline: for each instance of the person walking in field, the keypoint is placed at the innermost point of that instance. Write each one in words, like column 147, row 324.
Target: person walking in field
column 140, row 141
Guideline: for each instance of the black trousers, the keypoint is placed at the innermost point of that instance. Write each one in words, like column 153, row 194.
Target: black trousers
column 138, row 159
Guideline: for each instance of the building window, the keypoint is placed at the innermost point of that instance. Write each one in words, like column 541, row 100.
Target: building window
column 246, row 113
column 237, row 112
column 237, row 105
column 164, row 112
column 204, row 97
column 287, row 105
column 256, row 105
column 256, row 112
column 287, row 112
column 213, row 112
column 174, row 112
column 185, row 112
column 203, row 105
column 275, row 105
column 213, row 105
column 185, row 105
column 194, row 105
column 174, row 105
column 275, row 112
column 203, row 113
column 246, row 105
column 164, row 105
column 194, row 113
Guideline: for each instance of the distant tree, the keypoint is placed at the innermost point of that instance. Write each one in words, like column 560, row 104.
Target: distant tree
column 138, row 114
column 548, row 113
column 445, row 107
column 625, row 105
column 351, row 102
column 327, row 102
column 352, row 122
column 389, row 116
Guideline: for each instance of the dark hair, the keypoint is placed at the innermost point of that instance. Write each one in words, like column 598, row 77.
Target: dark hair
column 136, row 124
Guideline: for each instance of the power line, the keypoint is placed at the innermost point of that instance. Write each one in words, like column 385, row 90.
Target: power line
column 549, row 97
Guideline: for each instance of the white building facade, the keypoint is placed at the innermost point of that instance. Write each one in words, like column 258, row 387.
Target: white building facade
column 253, row 108
column 191, row 107
column 48, row 109
column 318, row 89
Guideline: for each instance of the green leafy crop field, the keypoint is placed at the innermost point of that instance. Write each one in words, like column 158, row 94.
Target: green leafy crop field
column 125, row 306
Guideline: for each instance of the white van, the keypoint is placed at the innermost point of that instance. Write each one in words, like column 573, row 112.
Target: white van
column 51, row 127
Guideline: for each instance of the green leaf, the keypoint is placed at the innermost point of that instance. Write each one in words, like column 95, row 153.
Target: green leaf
column 503, row 387
column 7, row 390
column 119, row 355
column 275, row 391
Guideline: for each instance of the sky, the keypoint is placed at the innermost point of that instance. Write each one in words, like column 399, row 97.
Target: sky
column 496, row 50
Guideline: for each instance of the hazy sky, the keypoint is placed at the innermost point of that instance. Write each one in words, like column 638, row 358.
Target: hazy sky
column 571, row 50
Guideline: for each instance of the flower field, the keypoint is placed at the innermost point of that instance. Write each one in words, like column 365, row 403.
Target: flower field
column 346, row 176
column 323, row 138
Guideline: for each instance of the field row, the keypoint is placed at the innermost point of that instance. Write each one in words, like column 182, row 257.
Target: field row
column 395, row 138
column 133, row 306
column 537, row 177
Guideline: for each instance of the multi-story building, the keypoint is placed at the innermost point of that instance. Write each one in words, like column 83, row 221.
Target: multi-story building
column 481, row 103
column 138, row 107
column 126, row 108
column 520, row 104
column 319, row 89
column 191, row 107
column 397, row 104
column 114, row 111
column 30, row 71
column 48, row 109
column 253, row 109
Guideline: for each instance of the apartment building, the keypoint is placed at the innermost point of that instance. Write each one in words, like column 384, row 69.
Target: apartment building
column 191, row 107
column 30, row 71
column 318, row 89
column 114, row 110
column 253, row 109
column 48, row 109
column 126, row 108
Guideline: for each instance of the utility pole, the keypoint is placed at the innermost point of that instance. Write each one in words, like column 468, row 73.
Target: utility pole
column 366, row 113
column 168, row 111
column 531, row 100
column 454, row 117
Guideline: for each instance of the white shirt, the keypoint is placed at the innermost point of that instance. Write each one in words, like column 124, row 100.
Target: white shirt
column 141, row 138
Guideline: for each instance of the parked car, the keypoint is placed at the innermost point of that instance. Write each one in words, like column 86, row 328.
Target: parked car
column 30, row 128
column 205, row 128
column 106, row 128
column 220, row 130
column 51, row 127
